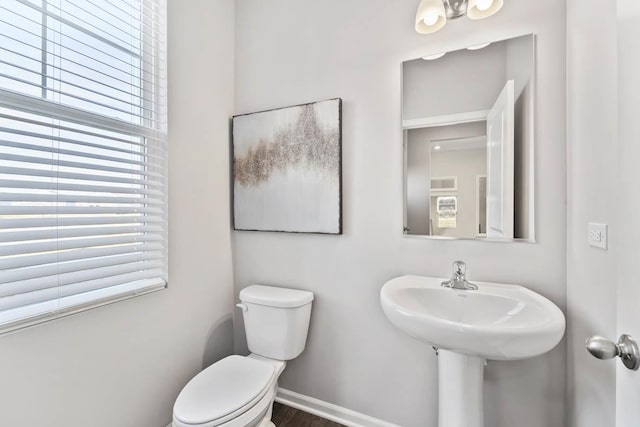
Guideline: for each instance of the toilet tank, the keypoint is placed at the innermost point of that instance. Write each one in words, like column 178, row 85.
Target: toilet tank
column 276, row 320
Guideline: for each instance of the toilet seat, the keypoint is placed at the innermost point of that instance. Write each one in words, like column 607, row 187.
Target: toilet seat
column 224, row 391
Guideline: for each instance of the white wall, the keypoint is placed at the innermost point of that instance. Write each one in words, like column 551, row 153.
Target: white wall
column 292, row 51
column 123, row 365
column 592, row 191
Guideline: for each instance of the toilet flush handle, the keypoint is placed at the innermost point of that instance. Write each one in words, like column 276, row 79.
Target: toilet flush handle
column 242, row 306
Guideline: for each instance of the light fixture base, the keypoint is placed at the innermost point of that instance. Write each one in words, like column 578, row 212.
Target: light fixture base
column 455, row 8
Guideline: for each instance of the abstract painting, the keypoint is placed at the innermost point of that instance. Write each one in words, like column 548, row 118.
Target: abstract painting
column 287, row 169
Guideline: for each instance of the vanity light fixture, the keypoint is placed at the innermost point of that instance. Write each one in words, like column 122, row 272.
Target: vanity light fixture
column 434, row 56
column 432, row 15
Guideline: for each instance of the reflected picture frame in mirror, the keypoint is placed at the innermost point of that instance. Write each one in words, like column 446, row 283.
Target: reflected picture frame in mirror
column 468, row 127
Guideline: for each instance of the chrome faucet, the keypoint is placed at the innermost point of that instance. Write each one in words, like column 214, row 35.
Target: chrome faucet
column 459, row 280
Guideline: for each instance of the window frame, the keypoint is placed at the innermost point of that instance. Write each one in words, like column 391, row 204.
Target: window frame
column 153, row 131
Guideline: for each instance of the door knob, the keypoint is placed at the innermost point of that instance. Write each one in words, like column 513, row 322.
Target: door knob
column 626, row 349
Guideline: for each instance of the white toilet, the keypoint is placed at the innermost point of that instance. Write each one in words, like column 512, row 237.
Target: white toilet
column 239, row 391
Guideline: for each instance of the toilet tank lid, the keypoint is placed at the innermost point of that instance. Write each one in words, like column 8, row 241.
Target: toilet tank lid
column 274, row 296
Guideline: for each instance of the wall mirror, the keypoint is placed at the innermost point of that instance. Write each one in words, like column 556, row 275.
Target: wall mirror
column 468, row 127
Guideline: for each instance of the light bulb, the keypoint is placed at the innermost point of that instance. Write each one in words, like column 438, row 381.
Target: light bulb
column 478, row 46
column 434, row 56
column 430, row 18
column 483, row 5
column 480, row 9
column 437, row 147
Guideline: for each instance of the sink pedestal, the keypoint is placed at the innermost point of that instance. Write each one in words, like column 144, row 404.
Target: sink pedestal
column 460, row 379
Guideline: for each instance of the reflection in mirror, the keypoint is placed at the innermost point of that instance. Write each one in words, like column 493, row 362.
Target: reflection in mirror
column 468, row 142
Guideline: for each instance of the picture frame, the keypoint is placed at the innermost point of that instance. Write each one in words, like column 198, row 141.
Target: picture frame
column 287, row 169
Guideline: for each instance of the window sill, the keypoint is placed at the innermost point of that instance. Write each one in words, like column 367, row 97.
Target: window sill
column 23, row 317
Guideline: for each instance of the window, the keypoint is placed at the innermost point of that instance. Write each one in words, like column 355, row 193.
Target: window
column 83, row 134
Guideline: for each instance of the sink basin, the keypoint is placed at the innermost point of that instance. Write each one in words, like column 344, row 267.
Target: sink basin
column 499, row 322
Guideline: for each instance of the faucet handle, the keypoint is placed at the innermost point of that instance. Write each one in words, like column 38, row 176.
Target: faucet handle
column 459, row 268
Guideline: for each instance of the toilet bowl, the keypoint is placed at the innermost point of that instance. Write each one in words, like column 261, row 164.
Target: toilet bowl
column 238, row 391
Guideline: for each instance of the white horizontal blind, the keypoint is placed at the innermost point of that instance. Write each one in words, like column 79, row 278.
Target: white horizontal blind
column 83, row 191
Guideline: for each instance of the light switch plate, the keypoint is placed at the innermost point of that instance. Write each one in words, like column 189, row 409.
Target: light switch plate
column 597, row 235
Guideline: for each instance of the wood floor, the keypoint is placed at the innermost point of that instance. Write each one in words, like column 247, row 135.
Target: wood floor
column 284, row 416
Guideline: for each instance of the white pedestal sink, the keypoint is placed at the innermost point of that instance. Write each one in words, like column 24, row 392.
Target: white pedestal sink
column 497, row 322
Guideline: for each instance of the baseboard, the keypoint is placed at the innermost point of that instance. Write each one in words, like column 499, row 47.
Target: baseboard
column 328, row 410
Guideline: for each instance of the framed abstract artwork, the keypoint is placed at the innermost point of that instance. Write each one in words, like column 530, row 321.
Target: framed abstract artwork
column 287, row 169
